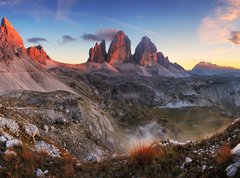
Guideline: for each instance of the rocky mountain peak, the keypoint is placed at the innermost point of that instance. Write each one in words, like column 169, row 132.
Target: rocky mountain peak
column 145, row 52
column 11, row 34
column 120, row 49
column 38, row 54
column 11, row 43
column 98, row 53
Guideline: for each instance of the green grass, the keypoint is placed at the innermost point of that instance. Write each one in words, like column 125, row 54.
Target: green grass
column 195, row 123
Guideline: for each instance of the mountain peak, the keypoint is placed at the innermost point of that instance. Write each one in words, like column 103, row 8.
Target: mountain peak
column 120, row 49
column 38, row 54
column 146, row 52
column 98, row 53
column 207, row 68
column 11, row 34
column 5, row 22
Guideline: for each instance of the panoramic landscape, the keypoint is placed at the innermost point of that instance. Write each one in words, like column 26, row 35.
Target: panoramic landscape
column 147, row 88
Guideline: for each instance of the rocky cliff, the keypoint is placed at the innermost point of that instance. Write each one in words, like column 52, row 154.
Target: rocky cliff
column 120, row 49
column 98, row 53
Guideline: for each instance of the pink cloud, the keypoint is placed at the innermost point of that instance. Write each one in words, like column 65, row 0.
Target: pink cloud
column 217, row 27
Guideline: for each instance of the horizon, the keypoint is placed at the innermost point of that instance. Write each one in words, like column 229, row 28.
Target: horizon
column 67, row 30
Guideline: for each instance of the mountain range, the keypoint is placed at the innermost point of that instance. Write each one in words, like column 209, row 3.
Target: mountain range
column 96, row 109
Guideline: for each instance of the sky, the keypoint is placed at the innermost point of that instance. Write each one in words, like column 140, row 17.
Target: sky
column 187, row 31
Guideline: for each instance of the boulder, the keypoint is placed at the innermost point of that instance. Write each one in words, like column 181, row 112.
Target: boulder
column 14, row 142
column 31, row 130
column 232, row 169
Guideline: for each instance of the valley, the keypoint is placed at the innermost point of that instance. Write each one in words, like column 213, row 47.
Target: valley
column 89, row 115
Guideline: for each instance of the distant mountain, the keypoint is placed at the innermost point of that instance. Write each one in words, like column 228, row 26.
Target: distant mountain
column 146, row 61
column 17, row 69
column 206, row 68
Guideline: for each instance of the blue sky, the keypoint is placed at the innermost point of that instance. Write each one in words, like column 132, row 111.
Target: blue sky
column 188, row 31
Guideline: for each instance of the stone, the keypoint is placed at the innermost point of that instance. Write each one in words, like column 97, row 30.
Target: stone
column 188, row 160
column 236, row 150
column 14, row 142
column 3, row 139
column 10, row 124
column 204, row 167
column 46, row 128
column 40, row 173
column 91, row 157
column 120, row 49
column 232, row 169
column 31, row 130
column 48, row 148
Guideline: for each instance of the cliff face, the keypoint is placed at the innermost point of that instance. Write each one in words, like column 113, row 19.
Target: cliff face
column 120, row 49
column 145, row 52
column 98, row 53
column 11, row 43
column 38, row 54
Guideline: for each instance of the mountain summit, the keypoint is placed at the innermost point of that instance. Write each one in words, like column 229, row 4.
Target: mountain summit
column 145, row 52
column 38, row 54
column 120, row 49
column 98, row 53
column 11, row 43
column 17, row 69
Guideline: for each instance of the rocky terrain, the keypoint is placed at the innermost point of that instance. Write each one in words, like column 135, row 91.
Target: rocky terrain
column 80, row 120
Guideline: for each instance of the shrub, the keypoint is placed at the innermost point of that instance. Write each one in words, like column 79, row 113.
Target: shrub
column 223, row 154
column 69, row 166
column 144, row 153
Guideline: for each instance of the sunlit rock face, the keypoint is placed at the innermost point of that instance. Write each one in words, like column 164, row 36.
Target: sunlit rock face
column 98, row 53
column 11, row 44
column 120, row 49
column 38, row 54
column 145, row 52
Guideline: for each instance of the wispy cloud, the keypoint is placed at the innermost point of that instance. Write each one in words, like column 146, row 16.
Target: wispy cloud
column 63, row 6
column 103, row 34
column 216, row 28
column 36, row 40
column 68, row 39
column 9, row 3
column 235, row 37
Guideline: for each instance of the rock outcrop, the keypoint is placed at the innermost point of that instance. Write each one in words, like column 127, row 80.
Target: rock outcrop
column 120, row 49
column 11, row 44
column 145, row 52
column 161, row 59
column 98, row 53
column 38, row 54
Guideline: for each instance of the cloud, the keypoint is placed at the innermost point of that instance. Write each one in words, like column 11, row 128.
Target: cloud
column 68, row 39
column 36, row 40
column 235, row 37
column 9, row 3
column 217, row 27
column 63, row 7
column 104, row 34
